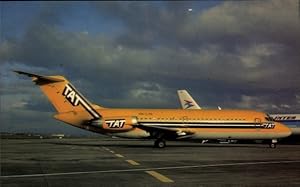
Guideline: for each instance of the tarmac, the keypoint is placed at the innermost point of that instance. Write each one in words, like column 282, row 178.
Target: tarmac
column 122, row 162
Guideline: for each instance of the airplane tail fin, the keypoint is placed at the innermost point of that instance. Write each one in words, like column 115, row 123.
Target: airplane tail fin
column 62, row 94
column 186, row 101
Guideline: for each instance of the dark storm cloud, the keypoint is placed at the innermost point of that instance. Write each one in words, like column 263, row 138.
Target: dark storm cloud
column 228, row 22
column 247, row 36
column 147, row 24
column 78, row 51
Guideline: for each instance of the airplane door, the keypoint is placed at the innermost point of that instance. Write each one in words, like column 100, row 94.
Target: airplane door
column 184, row 120
column 185, row 123
column 257, row 123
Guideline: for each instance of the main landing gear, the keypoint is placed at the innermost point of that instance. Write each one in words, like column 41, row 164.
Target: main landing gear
column 160, row 143
column 273, row 144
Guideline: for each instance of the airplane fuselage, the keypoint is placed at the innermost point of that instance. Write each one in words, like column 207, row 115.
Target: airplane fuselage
column 196, row 124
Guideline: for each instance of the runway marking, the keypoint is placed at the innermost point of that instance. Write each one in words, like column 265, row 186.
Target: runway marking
column 105, row 148
column 149, row 169
column 132, row 162
column 154, row 174
column 159, row 176
column 119, row 155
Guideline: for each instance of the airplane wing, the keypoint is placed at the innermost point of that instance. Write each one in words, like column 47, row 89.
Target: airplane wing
column 165, row 132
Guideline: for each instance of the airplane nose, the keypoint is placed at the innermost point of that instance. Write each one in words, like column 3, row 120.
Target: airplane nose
column 284, row 131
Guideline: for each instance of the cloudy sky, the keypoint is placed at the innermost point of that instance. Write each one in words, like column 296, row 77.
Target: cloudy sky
column 233, row 54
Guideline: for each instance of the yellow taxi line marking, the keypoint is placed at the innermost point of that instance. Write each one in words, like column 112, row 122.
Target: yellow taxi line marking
column 132, row 162
column 105, row 148
column 118, row 155
column 159, row 176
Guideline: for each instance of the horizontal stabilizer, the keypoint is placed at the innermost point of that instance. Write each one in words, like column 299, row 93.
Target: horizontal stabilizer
column 39, row 79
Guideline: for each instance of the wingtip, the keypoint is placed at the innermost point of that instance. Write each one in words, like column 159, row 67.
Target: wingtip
column 26, row 73
column 16, row 71
column 19, row 72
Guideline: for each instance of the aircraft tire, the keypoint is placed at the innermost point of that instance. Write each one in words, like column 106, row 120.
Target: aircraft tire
column 272, row 145
column 160, row 143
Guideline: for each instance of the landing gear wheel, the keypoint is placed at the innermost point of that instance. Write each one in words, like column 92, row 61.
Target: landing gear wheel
column 273, row 143
column 160, row 143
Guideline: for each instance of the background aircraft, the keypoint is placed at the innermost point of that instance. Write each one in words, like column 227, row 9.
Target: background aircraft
column 187, row 101
column 159, row 124
column 290, row 120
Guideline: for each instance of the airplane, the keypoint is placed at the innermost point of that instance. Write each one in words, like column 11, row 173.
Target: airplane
column 158, row 124
column 290, row 120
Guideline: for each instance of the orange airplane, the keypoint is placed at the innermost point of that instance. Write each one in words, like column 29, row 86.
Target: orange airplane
column 158, row 124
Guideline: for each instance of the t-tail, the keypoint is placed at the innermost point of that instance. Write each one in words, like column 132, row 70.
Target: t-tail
column 186, row 101
column 63, row 95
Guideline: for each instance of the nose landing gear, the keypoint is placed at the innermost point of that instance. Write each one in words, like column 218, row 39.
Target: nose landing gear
column 273, row 144
column 160, row 143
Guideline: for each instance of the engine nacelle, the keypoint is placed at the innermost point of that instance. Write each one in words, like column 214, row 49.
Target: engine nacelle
column 115, row 124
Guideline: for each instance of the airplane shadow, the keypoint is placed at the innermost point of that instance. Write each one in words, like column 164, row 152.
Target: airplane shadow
column 148, row 145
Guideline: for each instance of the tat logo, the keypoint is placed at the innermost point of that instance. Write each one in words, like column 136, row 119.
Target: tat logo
column 116, row 123
column 188, row 104
column 268, row 125
column 73, row 97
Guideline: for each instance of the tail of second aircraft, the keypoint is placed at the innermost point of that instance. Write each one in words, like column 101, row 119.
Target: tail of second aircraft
column 186, row 101
column 62, row 94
